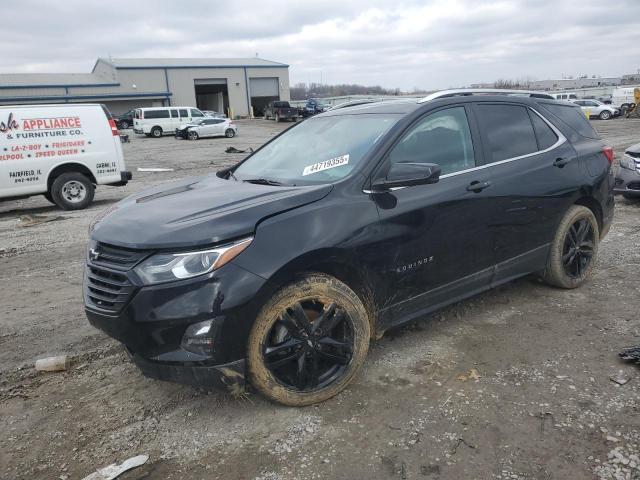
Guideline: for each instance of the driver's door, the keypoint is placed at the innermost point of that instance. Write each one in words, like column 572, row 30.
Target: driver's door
column 435, row 244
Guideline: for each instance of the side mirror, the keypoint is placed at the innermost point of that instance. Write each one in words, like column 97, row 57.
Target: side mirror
column 408, row 175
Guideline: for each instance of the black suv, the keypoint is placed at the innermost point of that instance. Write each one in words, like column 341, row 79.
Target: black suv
column 282, row 268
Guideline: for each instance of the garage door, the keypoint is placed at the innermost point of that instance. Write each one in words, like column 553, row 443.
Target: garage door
column 264, row 87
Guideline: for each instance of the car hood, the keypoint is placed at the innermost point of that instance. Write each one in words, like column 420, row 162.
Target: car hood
column 188, row 125
column 634, row 149
column 197, row 212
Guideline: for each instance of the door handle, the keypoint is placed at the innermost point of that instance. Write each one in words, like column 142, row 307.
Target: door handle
column 477, row 186
column 561, row 162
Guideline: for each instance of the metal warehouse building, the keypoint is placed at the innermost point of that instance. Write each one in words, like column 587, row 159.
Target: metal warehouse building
column 230, row 85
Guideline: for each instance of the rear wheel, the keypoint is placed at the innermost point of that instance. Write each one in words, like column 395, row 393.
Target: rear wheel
column 308, row 341
column 72, row 191
column 605, row 115
column 124, row 124
column 48, row 196
column 156, row 132
column 230, row 133
column 574, row 249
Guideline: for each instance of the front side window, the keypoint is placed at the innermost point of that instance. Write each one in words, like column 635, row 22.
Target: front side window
column 196, row 113
column 508, row 131
column 319, row 150
column 442, row 138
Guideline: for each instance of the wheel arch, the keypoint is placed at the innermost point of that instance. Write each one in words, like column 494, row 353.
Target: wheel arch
column 71, row 167
column 593, row 205
column 333, row 262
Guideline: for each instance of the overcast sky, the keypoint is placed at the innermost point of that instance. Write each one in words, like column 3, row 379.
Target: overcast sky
column 428, row 44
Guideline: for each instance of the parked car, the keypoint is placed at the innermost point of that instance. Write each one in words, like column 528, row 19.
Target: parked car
column 282, row 268
column 208, row 127
column 628, row 175
column 125, row 120
column 313, row 107
column 158, row 121
column 60, row 151
column 597, row 109
column 211, row 113
column 279, row 110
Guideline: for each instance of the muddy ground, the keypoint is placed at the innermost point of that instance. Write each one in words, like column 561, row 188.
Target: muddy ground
column 512, row 384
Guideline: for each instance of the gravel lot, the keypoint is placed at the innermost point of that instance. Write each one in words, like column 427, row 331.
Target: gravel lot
column 512, row 384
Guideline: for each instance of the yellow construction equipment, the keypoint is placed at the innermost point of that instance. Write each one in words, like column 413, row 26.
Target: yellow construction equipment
column 636, row 100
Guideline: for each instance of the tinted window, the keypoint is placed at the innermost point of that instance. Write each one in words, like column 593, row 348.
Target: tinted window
column 579, row 102
column 508, row 130
column 442, row 138
column 545, row 135
column 174, row 113
column 156, row 114
column 574, row 117
column 183, row 112
column 196, row 113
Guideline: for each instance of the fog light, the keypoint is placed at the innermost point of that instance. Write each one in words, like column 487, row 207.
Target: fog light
column 198, row 338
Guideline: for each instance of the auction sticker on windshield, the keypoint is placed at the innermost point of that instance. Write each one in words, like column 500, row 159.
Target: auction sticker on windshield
column 326, row 165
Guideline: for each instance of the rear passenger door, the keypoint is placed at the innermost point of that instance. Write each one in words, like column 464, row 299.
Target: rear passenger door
column 535, row 174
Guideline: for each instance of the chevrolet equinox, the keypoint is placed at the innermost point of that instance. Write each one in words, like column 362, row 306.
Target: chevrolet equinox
column 281, row 269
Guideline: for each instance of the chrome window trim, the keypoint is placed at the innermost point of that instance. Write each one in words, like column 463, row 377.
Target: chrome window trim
column 561, row 139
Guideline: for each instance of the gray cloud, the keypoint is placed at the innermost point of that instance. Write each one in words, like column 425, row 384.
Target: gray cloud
column 428, row 44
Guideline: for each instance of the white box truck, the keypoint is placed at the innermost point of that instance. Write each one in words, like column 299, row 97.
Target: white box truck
column 60, row 151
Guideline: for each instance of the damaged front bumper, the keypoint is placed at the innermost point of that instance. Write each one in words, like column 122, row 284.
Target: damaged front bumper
column 230, row 376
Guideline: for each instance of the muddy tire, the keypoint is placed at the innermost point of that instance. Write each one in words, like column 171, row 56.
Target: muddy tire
column 574, row 249
column 308, row 342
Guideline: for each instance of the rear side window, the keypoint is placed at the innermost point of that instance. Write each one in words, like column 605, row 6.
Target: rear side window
column 174, row 113
column 574, row 117
column 508, row 130
column 156, row 114
column 545, row 135
column 184, row 113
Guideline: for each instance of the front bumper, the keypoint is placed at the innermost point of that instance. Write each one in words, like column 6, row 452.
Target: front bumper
column 627, row 182
column 151, row 321
column 229, row 376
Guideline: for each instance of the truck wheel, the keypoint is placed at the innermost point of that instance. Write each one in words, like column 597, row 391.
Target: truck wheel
column 605, row 115
column 308, row 342
column 230, row 133
column 72, row 191
column 277, row 118
column 156, row 132
column 573, row 250
column 124, row 124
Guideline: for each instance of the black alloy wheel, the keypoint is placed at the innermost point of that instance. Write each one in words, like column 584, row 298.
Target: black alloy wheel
column 577, row 251
column 309, row 346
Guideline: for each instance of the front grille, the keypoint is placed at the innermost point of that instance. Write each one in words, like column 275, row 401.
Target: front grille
column 107, row 285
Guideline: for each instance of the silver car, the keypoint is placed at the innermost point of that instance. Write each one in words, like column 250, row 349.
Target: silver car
column 597, row 109
column 628, row 176
column 208, row 127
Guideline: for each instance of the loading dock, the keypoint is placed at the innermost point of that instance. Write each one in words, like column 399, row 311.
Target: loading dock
column 263, row 90
column 212, row 94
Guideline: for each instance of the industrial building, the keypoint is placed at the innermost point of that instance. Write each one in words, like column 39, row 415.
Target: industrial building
column 236, row 86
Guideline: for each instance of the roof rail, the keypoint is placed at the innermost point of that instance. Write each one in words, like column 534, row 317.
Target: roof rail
column 485, row 91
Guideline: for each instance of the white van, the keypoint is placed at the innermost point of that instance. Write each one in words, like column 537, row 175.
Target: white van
column 565, row 96
column 60, row 151
column 158, row 121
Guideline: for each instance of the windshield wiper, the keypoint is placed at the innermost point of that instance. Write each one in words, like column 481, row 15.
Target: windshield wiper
column 263, row 181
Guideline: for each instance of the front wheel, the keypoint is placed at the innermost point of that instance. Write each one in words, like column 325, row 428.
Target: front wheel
column 308, row 342
column 605, row 115
column 193, row 135
column 230, row 133
column 574, row 249
column 72, row 191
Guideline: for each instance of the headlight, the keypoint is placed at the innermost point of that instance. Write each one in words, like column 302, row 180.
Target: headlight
column 167, row 267
column 627, row 162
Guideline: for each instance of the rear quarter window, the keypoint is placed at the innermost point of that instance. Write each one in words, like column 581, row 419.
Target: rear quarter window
column 574, row 117
column 545, row 135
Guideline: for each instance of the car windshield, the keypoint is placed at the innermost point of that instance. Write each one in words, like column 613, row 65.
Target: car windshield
column 319, row 150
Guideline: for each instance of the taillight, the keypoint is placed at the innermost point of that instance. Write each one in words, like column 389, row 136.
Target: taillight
column 608, row 152
column 114, row 128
